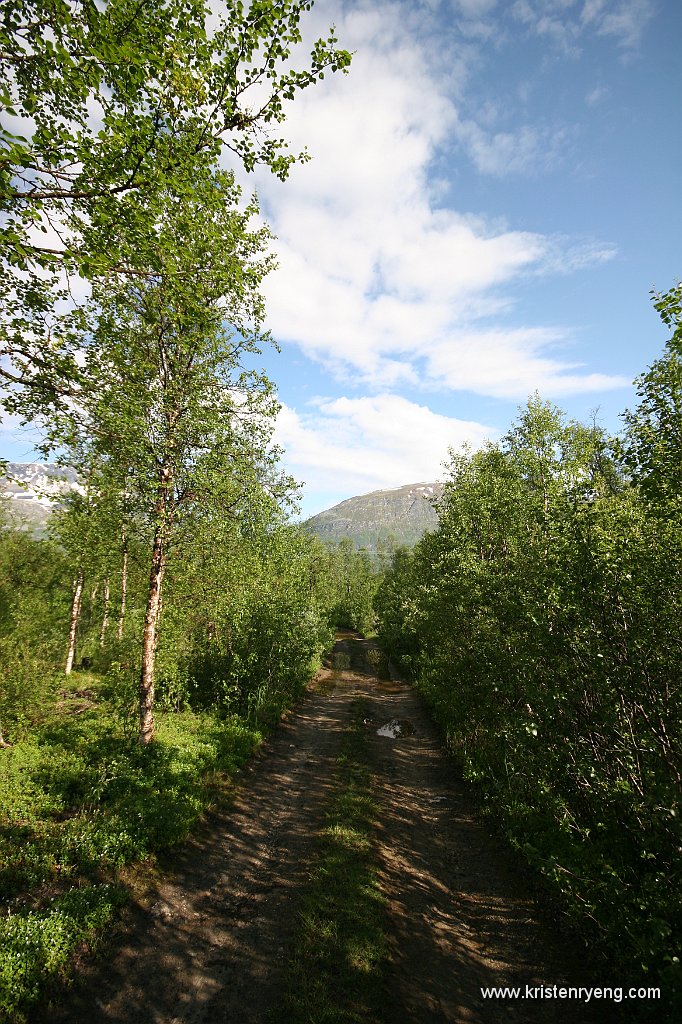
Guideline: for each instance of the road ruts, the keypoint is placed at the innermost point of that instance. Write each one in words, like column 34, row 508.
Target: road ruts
column 211, row 943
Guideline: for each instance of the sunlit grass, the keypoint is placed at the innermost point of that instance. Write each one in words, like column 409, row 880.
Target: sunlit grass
column 336, row 971
column 81, row 799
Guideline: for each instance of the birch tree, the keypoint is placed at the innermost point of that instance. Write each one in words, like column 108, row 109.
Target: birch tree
column 101, row 100
column 167, row 403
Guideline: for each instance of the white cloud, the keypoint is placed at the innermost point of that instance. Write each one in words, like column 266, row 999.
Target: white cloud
column 566, row 21
column 529, row 150
column 550, row 20
column 474, row 8
column 626, row 21
column 373, row 275
column 567, row 255
column 510, row 364
column 596, row 95
column 376, row 279
column 354, row 445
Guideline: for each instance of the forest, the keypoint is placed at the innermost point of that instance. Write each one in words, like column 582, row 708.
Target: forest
column 176, row 609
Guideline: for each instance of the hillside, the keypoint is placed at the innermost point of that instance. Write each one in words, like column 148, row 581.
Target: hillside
column 31, row 490
column 397, row 515
column 400, row 514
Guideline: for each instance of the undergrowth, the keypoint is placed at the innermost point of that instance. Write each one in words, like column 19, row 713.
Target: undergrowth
column 80, row 799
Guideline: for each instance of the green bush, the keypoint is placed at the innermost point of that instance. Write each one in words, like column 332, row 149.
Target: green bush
column 541, row 622
column 35, row 946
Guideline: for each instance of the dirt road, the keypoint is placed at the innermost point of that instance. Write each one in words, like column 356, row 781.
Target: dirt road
column 210, row 941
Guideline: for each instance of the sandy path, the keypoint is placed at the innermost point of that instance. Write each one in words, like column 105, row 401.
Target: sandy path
column 211, row 942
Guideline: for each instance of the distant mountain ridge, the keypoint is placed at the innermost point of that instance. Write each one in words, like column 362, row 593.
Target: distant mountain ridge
column 399, row 514
column 33, row 489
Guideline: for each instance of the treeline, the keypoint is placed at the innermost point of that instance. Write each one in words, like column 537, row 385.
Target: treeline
column 250, row 603
column 248, row 609
column 542, row 622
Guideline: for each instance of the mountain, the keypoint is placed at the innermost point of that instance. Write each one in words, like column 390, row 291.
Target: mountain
column 32, row 489
column 401, row 514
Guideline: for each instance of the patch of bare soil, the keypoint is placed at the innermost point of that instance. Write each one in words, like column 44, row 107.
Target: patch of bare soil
column 210, row 941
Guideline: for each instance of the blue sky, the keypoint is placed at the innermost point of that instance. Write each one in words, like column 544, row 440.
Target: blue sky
column 493, row 192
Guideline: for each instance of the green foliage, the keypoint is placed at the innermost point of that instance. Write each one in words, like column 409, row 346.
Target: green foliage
column 35, row 946
column 147, row 387
column 349, row 579
column 124, row 102
column 171, row 82
column 33, row 604
column 77, row 801
column 541, row 621
column 125, row 107
column 171, row 431
column 251, row 636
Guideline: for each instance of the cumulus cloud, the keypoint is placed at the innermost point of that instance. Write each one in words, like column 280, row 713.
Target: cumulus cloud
column 376, row 278
column 351, row 445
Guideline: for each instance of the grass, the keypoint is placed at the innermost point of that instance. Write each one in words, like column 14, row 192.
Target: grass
column 79, row 800
column 336, row 971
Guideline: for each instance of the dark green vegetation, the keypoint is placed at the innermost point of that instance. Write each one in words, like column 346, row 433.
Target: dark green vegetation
column 380, row 521
column 79, row 800
column 335, row 974
column 542, row 622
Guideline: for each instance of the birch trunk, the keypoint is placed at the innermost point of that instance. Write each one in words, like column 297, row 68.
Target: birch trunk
column 152, row 614
column 105, row 617
column 124, row 587
column 75, row 616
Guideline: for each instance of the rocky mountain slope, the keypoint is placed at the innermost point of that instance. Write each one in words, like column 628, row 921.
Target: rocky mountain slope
column 400, row 514
column 32, row 489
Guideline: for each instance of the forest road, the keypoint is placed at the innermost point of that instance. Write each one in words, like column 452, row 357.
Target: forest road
column 211, row 942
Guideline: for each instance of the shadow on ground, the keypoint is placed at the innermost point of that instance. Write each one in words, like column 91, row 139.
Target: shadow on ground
column 210, row 941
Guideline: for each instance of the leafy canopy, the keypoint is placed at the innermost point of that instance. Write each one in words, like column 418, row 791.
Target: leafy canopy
column 107, row 99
